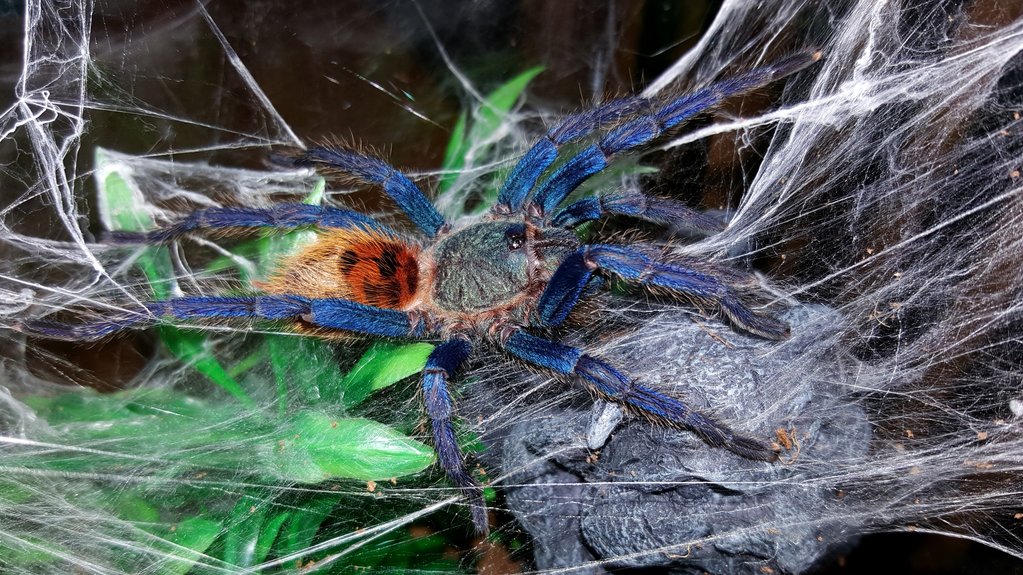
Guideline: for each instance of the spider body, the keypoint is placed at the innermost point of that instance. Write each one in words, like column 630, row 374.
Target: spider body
column 488, row 282
column 493, row 266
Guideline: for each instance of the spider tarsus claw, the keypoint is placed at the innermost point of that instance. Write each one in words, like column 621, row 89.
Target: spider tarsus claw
column 479, row 518
column 752, row 449
column 287, row 159
column 763, row 326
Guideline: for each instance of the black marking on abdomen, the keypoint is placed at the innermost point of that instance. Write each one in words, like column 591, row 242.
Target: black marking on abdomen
column 387, row 263
column 347, row 261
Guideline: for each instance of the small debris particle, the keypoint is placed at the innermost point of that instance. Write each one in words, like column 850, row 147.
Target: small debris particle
column 1015, row 115
column 1014, row 174
column 419, row 531
column 371, row 486
column 773, row 531
column 1003, row 132
column 915, row 470
column 767, row 570
column 1018, row 516
column 673, row 556
column 333, row 425
column 909, row 433
column 394, row 481
column 981, row 435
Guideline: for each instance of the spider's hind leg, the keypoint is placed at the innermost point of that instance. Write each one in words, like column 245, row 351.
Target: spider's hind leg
column 373, row 170
column 606, row 381
column 329, row 313
column 232, row 219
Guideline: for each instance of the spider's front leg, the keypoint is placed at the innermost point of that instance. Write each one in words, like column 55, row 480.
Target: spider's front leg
column 445, row 360
column 705, row 282
column 639, row 205
column 609, row 383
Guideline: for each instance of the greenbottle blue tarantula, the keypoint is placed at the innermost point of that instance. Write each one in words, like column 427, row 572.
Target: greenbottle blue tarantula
column 519, row 268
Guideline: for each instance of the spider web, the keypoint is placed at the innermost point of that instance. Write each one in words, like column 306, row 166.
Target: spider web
column 879, row 191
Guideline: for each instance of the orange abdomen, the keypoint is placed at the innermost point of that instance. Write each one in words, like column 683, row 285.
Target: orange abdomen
column 380, row 274
column 367, row 267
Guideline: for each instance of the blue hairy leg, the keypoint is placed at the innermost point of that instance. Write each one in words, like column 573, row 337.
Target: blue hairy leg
column 636, row 204
column 633, row 133
column 609, row 383
column 281, row 216
column 396, row 185
column 338, row 314
column 443, row 362
column 543, row 153
column 639, row 264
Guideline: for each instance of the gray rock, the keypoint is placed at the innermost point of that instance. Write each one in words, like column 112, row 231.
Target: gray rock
column 656, row 497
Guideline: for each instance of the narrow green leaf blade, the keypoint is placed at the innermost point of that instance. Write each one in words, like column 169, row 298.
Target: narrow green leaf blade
column 498, row 103
column 382, row 365
column 454, row 155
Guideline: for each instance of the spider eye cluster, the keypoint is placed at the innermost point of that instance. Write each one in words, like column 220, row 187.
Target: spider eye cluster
column 515, row 236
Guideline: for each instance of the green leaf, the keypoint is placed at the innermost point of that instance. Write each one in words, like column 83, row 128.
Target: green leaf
column 267, row 535
column 31, row 553
column 382, row 365
column 495, row 108
column 243, row 531
column 191, row 348
column 134, row 508
column 487, row 120
column 190, row 539
column 315, row 447
column 305, row 363
column 303, row 526
column 454, row 155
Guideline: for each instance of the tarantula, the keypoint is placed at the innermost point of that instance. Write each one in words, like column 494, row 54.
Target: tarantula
column 519, row 268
